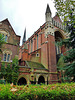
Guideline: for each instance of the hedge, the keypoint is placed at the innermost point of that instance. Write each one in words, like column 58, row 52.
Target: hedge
column 64, row 91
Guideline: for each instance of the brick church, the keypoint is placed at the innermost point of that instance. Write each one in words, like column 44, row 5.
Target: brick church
column 11, row 48
column 38, row 55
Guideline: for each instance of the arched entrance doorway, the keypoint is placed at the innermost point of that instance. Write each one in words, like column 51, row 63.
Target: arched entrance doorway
column 22, row 81
column 41, row 80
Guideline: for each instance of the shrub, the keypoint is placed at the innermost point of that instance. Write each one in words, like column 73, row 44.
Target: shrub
column 2, row 81
column 64, row 91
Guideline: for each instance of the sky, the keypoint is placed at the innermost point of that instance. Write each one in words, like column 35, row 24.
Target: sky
column 29, row 14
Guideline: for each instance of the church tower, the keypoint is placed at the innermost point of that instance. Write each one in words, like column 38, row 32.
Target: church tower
column 24, row 37
column 49, row 28
column 48, row 14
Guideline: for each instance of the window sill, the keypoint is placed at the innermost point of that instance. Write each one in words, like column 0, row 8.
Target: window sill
column 6, row 61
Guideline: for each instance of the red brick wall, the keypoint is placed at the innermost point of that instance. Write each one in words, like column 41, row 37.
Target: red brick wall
column 52, row 59
column 44, row 55
column 52, row 54
column 34, row 58
column 13, row 48
column 25, row 55
column 56, row 18
column 13, row 39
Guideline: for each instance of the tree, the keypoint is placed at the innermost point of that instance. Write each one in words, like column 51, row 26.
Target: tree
column 3, row 71
column 2, row 41
column 64, row 8
column 66, row 11
column 8, row 73
column 15, row 69
column 60, row 66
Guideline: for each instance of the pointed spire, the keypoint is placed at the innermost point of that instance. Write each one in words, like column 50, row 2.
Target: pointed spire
column 24, row 37
column 48, row 9
column 48, row 14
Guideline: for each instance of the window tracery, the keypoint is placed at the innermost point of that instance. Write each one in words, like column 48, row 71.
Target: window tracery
column 5, row 34
column 7, row 55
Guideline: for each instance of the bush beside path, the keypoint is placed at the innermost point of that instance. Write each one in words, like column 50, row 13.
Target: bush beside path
column 63, row 91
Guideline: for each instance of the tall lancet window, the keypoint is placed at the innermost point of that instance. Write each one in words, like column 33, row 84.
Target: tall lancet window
column 37, row 41
column 31, row 45
column 6, row 38
column 5, row 55
column 8, row 57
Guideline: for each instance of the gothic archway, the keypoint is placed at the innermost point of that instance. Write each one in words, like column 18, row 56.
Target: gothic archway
column 58, row 37
column 41, row 80
column 22, row 81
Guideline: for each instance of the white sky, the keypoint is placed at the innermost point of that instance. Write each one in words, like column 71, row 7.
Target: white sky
column 25, row 13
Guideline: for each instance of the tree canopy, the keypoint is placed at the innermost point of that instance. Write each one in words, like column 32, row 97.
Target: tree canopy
column 66, row 10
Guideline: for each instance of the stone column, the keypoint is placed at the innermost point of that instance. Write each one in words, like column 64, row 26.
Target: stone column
column 37, row 79
column 46, row 80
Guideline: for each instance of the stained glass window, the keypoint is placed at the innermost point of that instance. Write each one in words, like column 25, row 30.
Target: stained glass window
column 8, row 57
column 6, row 38
column 5, row 55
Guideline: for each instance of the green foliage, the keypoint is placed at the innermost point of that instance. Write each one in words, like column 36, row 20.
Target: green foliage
column 15, row 77
column 70, row 56
column 3, row 70
column 15, row 62
column 0, row 59
column 70, row 70
column 15, row 69
column 8, row 73
column 61, row 63
column 66, row 10
column 2, row 81
column 64, row 91
column 60, row 66
column 2, row 41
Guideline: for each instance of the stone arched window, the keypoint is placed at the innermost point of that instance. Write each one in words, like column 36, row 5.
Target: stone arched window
column 4, row 58
column 58, row 50
column 58, row 37
column 7, row 55
column 5, row 34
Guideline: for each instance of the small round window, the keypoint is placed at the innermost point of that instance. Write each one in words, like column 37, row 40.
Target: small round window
column 37, row 55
